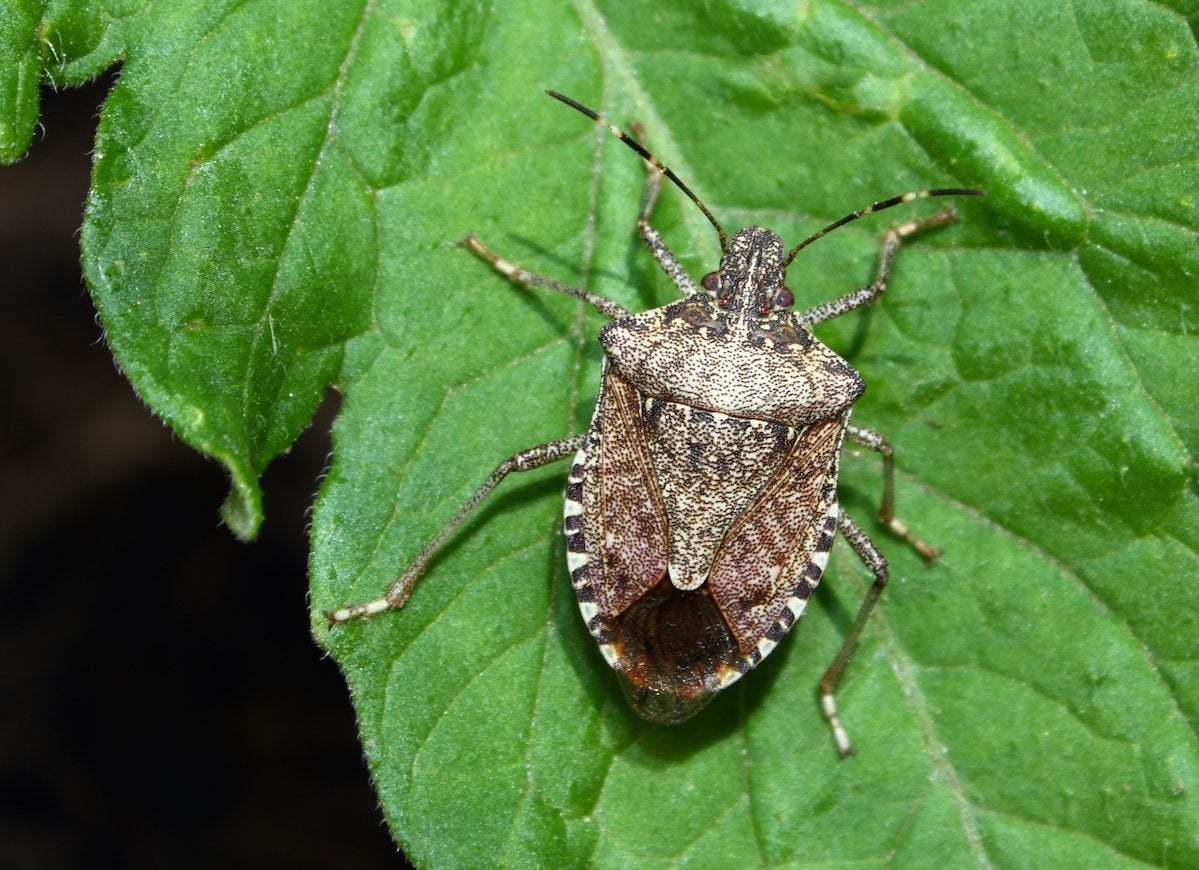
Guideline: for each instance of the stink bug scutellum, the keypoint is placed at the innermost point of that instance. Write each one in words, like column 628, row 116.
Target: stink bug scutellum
column 702, row 503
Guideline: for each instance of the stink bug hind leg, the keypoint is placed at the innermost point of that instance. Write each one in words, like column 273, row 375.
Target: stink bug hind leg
column 877, row 564
column 875, row 561
column 401, row 588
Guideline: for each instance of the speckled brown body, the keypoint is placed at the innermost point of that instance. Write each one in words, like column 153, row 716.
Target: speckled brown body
column 702, row 505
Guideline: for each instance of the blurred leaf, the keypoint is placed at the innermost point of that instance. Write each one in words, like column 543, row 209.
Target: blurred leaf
column 277, row 194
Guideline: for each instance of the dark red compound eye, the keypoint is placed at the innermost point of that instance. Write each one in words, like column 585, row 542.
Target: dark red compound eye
column 783, row 299
column 710, row 282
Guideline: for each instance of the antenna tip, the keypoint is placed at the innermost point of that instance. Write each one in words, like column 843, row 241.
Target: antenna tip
column 957, row 191
column 574, row 104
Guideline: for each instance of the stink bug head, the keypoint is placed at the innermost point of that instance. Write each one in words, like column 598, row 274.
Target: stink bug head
column 750, row 281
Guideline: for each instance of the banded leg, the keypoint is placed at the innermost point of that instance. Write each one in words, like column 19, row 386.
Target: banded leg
column 875, row 561
column 891, row 241
column 398, row 593
column 524, row 278
column 666, row 259
column 886, row 509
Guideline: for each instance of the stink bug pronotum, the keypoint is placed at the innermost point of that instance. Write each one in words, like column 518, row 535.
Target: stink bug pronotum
column 702, row 503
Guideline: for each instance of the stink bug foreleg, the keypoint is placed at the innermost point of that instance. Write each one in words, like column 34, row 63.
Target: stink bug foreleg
column 401, row 588
column 891, row 242
column 666, row 259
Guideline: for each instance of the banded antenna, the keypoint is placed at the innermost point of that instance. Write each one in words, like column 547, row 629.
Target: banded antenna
column 669, row 173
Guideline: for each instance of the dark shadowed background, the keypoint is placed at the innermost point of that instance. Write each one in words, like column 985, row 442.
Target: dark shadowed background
column 163, row 703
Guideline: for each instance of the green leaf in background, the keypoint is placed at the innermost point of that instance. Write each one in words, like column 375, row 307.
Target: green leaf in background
column 277, row 193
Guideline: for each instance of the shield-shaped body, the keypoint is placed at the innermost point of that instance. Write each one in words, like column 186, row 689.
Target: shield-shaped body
column 701, row 509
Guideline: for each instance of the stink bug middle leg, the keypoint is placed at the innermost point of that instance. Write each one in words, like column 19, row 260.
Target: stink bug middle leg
column 401, row 588
column 702, row 502
column 886, row 510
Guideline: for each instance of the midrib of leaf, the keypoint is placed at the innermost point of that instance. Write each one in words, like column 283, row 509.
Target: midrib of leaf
column 904, row 669
column 618, row 68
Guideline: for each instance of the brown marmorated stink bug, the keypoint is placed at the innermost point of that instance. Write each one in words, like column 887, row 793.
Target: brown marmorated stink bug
column 702, row 503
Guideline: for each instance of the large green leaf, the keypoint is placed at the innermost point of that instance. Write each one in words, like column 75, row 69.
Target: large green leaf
column 277, row 193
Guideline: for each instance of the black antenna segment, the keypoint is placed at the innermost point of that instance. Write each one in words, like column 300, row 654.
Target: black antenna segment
column 653, row 161
column 879, row 206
